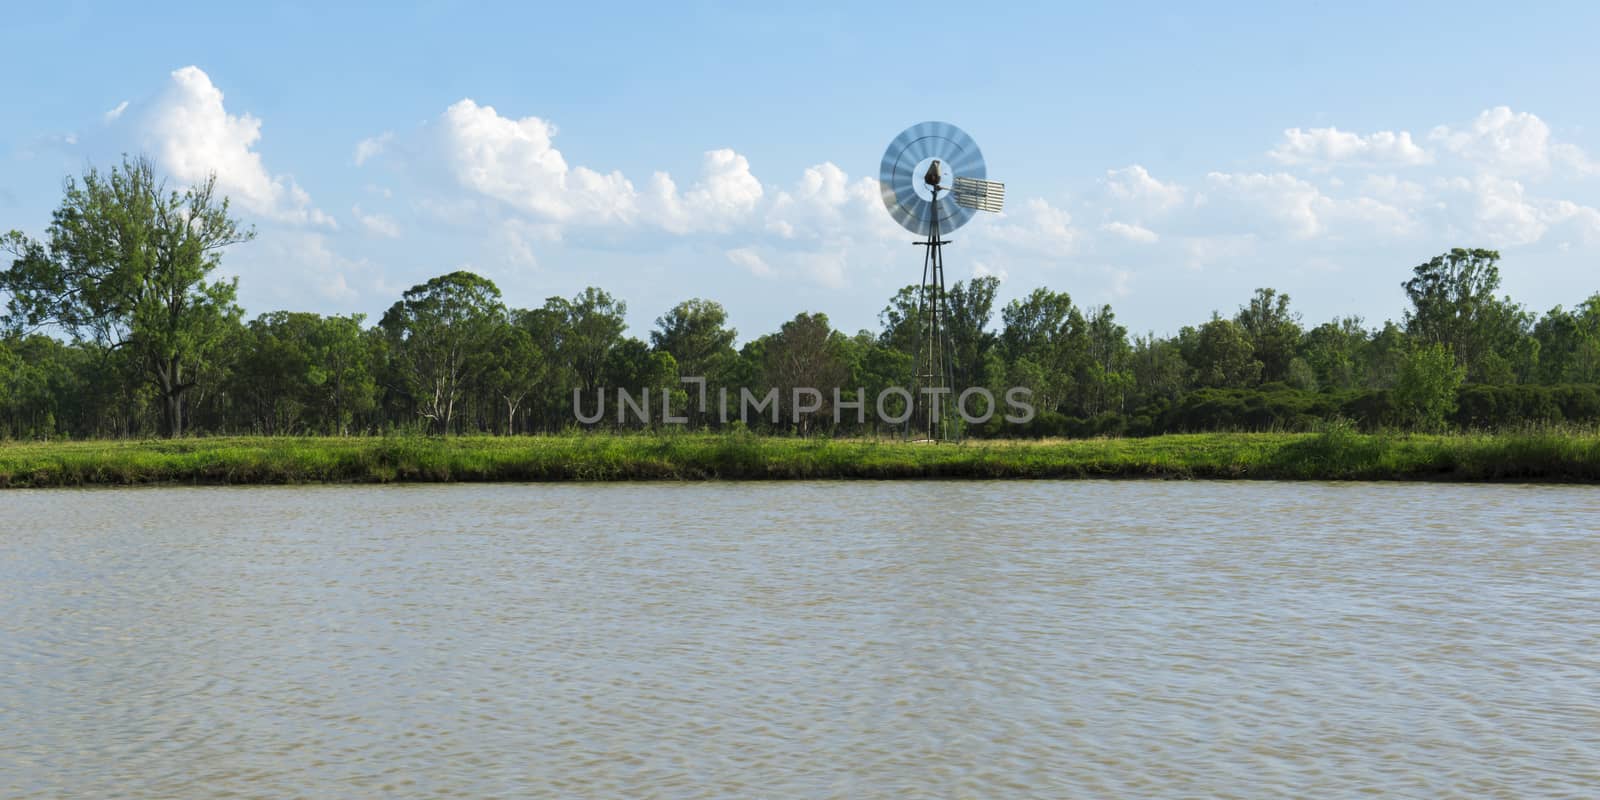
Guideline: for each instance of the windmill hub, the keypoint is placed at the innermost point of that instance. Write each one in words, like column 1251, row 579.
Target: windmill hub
column 920, row 184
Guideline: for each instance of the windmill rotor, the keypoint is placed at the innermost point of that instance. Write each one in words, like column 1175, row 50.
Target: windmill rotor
column 906, row 193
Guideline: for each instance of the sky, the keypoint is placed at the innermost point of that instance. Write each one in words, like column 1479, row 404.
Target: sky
column 1165, row 159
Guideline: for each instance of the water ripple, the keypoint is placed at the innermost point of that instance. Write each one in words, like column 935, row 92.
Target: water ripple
column 1028, row 639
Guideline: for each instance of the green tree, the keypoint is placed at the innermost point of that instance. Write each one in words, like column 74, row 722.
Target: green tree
column 1425, row 394
column 592, row 324
column 1158, row 368
column 1569, row 344
column 1109, row 377
column 1273, row 331
column 513, row 370
column 1220, row 354
column 439, row 336
column 1453, row 304
column 126, row 268
column 1332, row 352
column 971, row 307
column 697, row 335
column 806, row 353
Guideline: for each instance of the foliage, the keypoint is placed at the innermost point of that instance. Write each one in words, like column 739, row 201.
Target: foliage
column 126, row 268
column 1425, row 395
column 1552, row 455
column 115, row 329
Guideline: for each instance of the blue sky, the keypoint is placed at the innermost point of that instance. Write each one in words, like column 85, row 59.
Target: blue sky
column 1161, row 158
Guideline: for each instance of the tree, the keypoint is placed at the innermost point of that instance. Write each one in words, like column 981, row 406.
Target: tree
column 1273, row 331
column 1032, row 324
column 126, row 268
column 1332, row 351
column 1569, row 343
column 1453, row 304
column 439, row 334
column 513, row 369
column 1158, row 368
column 1425, row 394
column 806, row 354
column 1108, row 377
column 697, row 335
column 594, row 322
column 1220, row 354
column 971, row 307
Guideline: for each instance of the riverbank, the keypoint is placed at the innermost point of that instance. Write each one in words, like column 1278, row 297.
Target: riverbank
column 1549, row 456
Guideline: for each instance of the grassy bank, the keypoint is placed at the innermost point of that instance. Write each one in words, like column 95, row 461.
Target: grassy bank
column 1335, row 456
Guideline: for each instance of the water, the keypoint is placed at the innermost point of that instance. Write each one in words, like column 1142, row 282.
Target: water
column 1113, row 639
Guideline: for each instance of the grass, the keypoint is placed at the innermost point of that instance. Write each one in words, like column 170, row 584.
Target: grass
column 1338, row 454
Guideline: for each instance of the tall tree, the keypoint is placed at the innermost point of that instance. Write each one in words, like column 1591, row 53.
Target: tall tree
column 697, row 335
column 806, row 354
column 126, row 268
column 1569, row 343
column 1453, row 304
column 1273, row 331
column 594, row 321
column 439, row 334
column 971, row 306
column 1221, row 354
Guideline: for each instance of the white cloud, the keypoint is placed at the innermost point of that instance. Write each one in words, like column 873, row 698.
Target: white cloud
column 1499, row 210
column 372, row 146
column 1326, row 147
column 748, row 258
column 194, row 136
column 514, row 161
column 1512, row 143
column 1295, row 204
column 1300, row 209
column 376, row 224
column 1135, row 185
column 825, row 204
column 1133, row 233
column 1037, row 227
column 111, row 116
column 726, row 194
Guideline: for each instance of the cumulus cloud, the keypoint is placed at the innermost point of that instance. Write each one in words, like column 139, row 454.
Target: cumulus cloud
column 826, row 204
column 1135, row 185
column 726, row 194
column 1296, row 205
column 1326, row 147
column 113, row 114
column 194, row 136
column 1298, row 208
column 515, row 162
column 1511, row 143
column 1037, row 227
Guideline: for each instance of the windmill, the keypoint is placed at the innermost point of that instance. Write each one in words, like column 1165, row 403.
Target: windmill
column 925, row 160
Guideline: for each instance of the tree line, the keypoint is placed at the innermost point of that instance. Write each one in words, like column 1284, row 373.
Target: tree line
column 115, row 326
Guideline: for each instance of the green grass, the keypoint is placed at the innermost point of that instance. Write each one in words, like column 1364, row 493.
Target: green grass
column 1335, row 455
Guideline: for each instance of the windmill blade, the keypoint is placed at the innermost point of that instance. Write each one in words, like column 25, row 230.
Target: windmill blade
column 979, row 194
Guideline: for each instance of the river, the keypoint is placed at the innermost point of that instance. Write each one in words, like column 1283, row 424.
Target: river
column 830, row 639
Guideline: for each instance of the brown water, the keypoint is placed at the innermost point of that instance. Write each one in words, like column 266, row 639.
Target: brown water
column 1044, row 639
